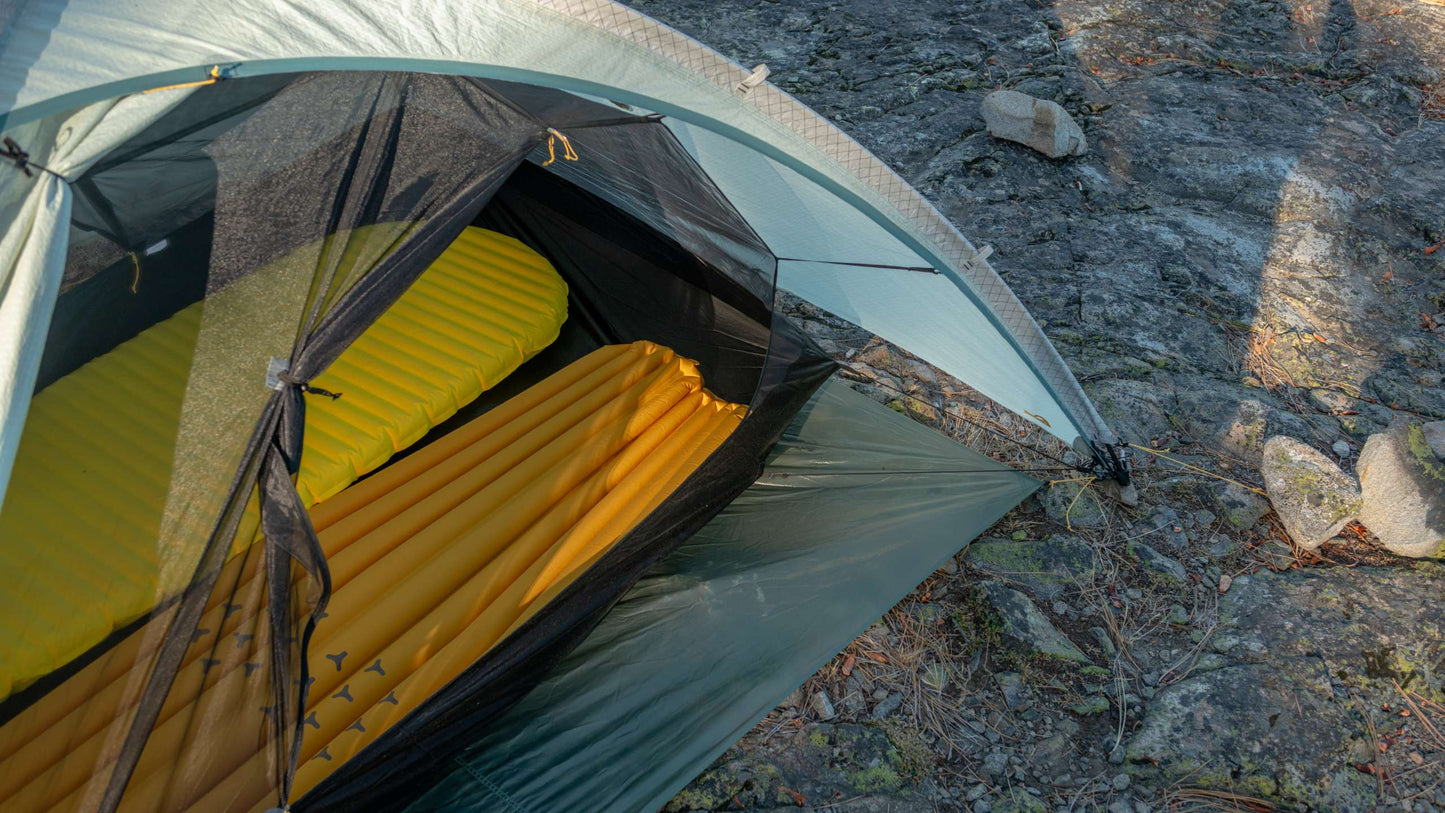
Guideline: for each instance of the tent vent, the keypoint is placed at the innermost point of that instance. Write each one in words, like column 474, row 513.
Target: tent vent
column 752, row 80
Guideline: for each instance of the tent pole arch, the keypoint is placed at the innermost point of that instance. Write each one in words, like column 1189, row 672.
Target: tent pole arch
column 575, row 85
column 567, row 44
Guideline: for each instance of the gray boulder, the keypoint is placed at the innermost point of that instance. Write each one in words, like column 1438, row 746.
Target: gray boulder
column 1024, row 624
column 1036, row 123
column 1313, row 498
column 1402, row 486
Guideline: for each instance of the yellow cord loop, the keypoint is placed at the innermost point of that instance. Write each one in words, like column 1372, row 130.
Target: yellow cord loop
column 212, row 77
column 1068, row 512
column 1197, row 469
column 553, row 136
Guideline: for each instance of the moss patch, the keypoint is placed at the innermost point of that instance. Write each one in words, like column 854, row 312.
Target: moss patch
column 1423, row 454
column 875, row 779
column 911, row 757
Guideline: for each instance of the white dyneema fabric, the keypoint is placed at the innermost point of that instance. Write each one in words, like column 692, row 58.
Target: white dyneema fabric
column 32, row 249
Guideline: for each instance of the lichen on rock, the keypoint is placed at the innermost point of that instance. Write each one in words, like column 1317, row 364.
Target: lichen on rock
column 1402, row 486
column 1313, row 498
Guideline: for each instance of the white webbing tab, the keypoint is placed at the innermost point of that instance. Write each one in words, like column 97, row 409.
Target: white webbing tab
column 980, row 256
column 274, row 369
column 752, row 80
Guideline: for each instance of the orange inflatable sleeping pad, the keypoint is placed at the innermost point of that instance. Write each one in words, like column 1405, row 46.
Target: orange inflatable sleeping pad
column 434, row 560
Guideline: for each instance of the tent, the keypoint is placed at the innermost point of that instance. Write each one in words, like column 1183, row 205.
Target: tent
column 355, row 362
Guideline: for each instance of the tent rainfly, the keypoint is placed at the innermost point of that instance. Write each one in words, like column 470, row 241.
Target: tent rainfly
column 356, row 362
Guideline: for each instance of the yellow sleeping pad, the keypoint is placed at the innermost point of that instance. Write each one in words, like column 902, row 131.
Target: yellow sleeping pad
column 433, row 561
column 82, row 517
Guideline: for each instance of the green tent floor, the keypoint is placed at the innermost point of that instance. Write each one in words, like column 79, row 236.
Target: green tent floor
column 856, row 506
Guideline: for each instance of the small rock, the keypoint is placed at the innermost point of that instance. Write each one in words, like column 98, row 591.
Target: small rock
column 854, row 700
column 1178, row 616
column 887, row 706
column 1224, row 582
column 1120, row 806
column 995, row 763
column 1036, row 123
column 1223, row 546
column 1203, row 517
column 1313, row 498
column 822, row 707
column 1105, row 642
column 1156, row 562
column 1023, row 622
column 1012, row 685
column 1120, row 782
column 1052, row 756
column 1402, row 484
column 794, row 700
column 1128, row 495
column 1166, row 527
column 1240, row 506
column 1093, row 704
column 949, row 566
column 1341, row 449
column 976, row 792
column 928, row 614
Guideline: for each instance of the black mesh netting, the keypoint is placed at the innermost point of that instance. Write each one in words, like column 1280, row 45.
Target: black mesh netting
column 222, row 260
column 290, row 213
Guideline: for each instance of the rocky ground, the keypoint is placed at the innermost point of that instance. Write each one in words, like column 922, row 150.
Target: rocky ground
column 1251, row 246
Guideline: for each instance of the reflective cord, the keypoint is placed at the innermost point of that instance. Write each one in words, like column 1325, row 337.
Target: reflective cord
column 881, row 472
column 1088, row 481
column 305, row 386
column 925, row 269
column 214, row 75
column 22, row 161
column 278, row 375
column 135, row 271
column 1193, row 468
column 1015, row 441
column 553, row 136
